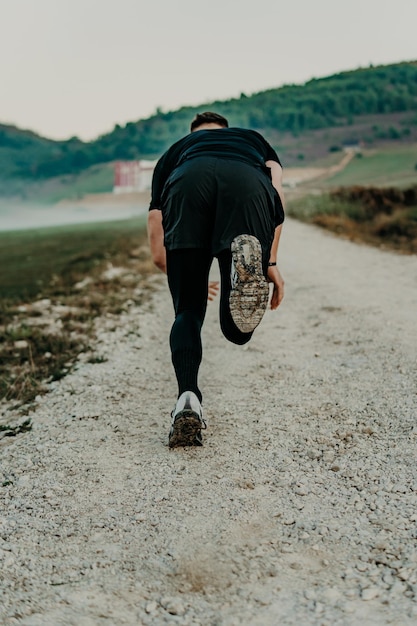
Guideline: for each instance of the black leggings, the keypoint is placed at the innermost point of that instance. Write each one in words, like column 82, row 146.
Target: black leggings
column 188, row 272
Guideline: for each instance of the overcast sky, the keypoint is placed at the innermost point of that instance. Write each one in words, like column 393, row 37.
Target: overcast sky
column 78, row 67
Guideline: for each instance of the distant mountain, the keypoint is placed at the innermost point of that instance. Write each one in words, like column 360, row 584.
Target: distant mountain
column 304, row 122
column 23, row 155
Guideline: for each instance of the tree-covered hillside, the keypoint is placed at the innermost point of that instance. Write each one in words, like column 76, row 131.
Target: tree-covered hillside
column 293, row 111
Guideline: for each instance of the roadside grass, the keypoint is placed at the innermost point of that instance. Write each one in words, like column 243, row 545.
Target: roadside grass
column 35, row 261
column 54, row 283
column 378, row 216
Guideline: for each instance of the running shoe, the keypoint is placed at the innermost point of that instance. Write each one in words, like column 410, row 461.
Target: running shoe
column 249, row 293
column 187, row 422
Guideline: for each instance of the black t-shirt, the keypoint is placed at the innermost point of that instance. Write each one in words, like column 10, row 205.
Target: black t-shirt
column 228, row 143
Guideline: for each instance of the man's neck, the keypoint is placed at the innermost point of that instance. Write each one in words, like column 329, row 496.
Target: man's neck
column 208, row 126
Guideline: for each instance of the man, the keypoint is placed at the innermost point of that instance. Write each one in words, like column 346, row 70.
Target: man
column 215, row 193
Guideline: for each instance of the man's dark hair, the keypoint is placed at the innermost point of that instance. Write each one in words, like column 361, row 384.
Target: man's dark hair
column 209, row 118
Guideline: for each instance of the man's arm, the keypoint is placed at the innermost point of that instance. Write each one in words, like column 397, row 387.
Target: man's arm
column 273, row 271
column 276, row 175
column 156, row 239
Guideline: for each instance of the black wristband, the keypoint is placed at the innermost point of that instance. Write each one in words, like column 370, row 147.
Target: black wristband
column 272, row 264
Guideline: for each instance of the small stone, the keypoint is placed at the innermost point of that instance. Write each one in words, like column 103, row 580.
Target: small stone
column 295, row 565
column 370, row 593
column 21, row 344
column 301, row 490
column 173, row 606
column 287, row 549
column 398, row 587
column 262, row 599
column 368, row 430
column 361, row 566
column 403, row 574
column 151, row 607
column 9, row 560
column 388, row 578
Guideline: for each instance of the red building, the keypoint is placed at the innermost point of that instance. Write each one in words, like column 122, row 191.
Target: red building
column 130, row 176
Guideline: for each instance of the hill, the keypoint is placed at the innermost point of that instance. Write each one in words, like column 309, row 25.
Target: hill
column 371, row 106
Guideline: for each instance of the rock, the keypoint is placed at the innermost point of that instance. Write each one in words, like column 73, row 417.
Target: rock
column 313, row 454
column 361, row 566
column 83, row 283
column 174, row 606
column 151, row 607
column 113, row 272
column 264, row 599
column 331, row 595
column 301, row 490
column 21, row 344
column 370, row 593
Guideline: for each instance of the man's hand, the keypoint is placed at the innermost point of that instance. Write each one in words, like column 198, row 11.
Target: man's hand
column 275, row 277
column 213, row 289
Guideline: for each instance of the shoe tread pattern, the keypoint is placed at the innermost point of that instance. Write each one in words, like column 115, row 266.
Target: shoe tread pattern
column 186, row 430
column 250, row 291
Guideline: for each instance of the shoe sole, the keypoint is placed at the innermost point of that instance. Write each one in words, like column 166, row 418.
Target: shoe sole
column 186, row 430
column 249, row 294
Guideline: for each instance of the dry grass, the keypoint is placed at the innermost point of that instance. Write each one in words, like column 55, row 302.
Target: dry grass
column 382, row 217
column 41, row 338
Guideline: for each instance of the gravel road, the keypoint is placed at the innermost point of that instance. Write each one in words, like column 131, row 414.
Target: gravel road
column 300, row 509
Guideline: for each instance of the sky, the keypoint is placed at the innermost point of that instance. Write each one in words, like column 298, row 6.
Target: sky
column 78, row 67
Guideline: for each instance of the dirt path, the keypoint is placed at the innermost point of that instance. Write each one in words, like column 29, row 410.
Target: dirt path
column 298, row 175
column 300, row 509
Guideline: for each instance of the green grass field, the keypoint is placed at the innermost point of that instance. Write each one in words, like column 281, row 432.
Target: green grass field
column 95, row 179
column 30, row 259
column 383, row 167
